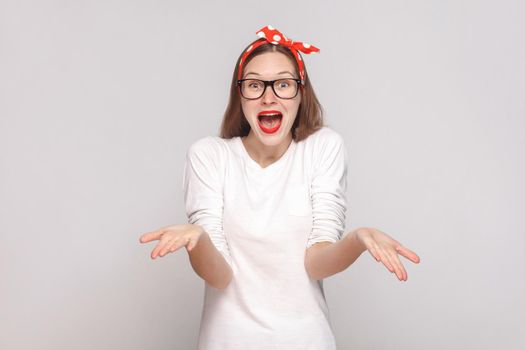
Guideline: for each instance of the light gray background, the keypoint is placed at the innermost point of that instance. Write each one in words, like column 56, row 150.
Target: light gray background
column 100, row 100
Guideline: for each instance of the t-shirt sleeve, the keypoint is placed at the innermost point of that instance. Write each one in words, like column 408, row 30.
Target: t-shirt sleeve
column 328, row 189
column 203, row 190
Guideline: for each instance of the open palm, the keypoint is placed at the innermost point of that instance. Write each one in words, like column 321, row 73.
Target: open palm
column 386, row 250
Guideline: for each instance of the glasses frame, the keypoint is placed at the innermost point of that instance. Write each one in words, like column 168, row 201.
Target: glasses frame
column 270, row 83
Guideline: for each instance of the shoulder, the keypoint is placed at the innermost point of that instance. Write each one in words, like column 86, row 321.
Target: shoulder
column 209, row 151
column 208, row 145
column 325, row 139
column 326, row 150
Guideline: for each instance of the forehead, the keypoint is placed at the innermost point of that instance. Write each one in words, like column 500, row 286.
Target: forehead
column 270, row 63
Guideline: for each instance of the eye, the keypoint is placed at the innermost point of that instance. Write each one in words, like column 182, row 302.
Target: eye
column 254, row 84
column 283, row 84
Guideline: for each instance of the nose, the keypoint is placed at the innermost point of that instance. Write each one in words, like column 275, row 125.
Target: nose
column 268, row 97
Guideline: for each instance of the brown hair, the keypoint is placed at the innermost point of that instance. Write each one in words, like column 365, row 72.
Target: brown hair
column 309, row 115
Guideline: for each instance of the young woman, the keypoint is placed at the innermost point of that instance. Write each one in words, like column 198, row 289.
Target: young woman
column 266, row 208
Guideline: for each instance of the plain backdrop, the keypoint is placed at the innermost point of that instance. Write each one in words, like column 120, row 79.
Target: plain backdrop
column 100, row 100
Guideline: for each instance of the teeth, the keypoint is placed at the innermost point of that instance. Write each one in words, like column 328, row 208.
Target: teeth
column 271, row 115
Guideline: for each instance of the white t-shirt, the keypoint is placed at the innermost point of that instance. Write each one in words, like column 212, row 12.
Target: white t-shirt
column 262, row 220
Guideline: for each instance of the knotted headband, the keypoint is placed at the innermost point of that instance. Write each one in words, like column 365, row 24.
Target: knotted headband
column 273, row 36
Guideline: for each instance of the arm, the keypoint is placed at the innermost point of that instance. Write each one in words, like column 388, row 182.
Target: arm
column 203, row 195
column 325, row 259
column 209, row 263
column 203, row 237
column 206, row 260
column 327, row 253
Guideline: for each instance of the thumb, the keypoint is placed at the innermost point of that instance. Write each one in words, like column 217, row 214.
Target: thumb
column 192, row 242
column 151, row 236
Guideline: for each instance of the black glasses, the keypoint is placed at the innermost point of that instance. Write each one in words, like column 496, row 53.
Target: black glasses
column 253, row 89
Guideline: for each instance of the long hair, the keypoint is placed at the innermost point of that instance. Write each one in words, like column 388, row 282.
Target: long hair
column 309, row 115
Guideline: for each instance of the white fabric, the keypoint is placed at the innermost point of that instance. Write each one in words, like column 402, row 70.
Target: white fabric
column 262, row 220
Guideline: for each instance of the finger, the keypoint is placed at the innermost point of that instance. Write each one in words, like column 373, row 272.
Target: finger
column 178, row 242
column 386, row 260
column 398, row 266
column 162, row 243
column 407, row 253
column 167, row 247
column 183, row 241
column 151, row 236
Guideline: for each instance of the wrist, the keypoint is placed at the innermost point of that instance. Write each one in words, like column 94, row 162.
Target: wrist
column 356, row 237
column 199, row 229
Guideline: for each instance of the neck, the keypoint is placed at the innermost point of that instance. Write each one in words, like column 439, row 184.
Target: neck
column 263, row 154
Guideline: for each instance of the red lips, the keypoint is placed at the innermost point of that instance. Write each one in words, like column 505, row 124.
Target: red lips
column 270, row 113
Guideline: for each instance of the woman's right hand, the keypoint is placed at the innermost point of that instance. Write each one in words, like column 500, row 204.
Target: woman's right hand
column 173, row 237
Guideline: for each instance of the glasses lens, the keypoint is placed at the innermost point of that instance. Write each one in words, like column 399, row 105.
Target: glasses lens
column 252, row 88
column 285, row 88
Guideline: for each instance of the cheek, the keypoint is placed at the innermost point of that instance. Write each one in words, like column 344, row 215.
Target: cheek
column 294, row 108
column 244, row 107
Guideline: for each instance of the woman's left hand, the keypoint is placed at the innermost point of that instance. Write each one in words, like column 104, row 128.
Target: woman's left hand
column 386, row 249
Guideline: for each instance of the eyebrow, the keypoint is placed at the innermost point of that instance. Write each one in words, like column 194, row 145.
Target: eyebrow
column 283, row 72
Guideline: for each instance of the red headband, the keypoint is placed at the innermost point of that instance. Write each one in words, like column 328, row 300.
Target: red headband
column 273, row 36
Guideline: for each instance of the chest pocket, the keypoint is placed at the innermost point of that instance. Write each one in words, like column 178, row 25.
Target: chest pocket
column 297, row 201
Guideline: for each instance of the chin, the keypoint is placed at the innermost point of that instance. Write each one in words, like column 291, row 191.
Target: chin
column 272, row 139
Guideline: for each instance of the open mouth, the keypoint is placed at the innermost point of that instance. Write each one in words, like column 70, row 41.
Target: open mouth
column 270, row 121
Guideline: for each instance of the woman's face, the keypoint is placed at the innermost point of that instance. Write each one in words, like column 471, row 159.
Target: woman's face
column 270, row 66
